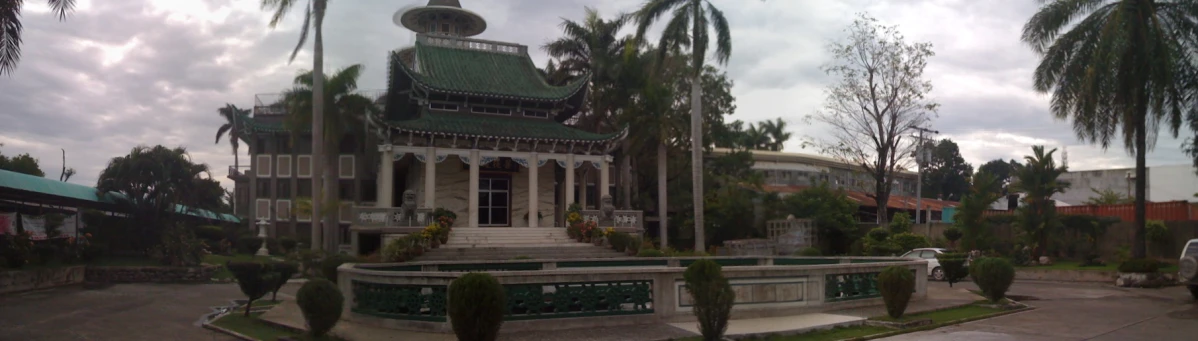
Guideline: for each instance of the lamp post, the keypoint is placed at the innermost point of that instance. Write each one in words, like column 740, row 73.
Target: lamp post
column 262, row 234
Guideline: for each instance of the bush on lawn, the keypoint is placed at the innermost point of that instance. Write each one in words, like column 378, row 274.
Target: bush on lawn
column 321, row 303
column 712, row 296
column 328, row 267
column 901, row 223
column 993, row 275
column 896, row 284
column 910, row 241
column 476, row 305
column 284, row 270
column 809, row 252
column 287, row 244
column 1140, row 265
column 179, row 247
column 953, row 265
column 254, row 279
column 878, row 234
column 210, row 233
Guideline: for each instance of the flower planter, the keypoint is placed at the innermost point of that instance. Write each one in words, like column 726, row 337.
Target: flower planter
column 597, row 241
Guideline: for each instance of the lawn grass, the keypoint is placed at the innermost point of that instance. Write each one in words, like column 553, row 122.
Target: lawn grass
column 251, row 326
column 220, row 260
column 946, row 315
column 1072, row 265
column 124, row 261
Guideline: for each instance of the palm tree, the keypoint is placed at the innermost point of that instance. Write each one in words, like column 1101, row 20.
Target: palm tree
column 689, row 28
column 314, row 18
column 233, row 117
column 756, row 137
column 10, row 29
column 655, row 121
column 1117, row 72
column 344, row 108
column 1037, row 179
column 776, row 130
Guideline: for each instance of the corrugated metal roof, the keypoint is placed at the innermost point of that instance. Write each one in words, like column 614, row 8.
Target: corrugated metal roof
column 37, row 184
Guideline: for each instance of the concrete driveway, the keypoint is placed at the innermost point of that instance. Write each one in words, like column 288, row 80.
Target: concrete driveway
column 1081, row 312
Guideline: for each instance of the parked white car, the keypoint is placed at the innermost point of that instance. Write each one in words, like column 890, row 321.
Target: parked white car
column 1187, row 266
column 929, row 254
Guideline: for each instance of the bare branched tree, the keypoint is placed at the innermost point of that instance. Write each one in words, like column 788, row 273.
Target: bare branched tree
column 878, row 101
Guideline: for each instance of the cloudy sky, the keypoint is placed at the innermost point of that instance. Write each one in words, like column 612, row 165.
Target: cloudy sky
column 119, row 73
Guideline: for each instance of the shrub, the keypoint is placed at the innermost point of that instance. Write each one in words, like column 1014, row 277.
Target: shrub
column 809, row 251
column 712, row 297
column 953, row 265
column 857, row 248
column 883, row 248
column 901, row 223
column 328, row 266
column 993, row 275
column 395, row 251
column 179, row 247
column 1140, row 265
column 43, row 253
column 210, row 233
column 878, row 234
column 248, row 245
column 909, row 241
column 1021, row 255
column 618, row 240
column 650, row 253
column 287, row 244
column 574, row 231
column 284, row 272
column 321, row 303
column 953, row 234
column 476, row 305
column 254, row 279
column 18, row 252
column 1091, row 259
column 896, row 284
column 308, row 260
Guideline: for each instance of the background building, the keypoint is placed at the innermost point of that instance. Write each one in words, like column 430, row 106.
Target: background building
column 1165, row 183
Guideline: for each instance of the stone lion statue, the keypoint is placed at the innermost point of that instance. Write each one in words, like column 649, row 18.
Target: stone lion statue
column 409, row 203
column 606, row 209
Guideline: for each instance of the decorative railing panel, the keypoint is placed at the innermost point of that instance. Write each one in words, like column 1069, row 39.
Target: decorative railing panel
column 405, row 302
column 391, row 217
column 620, row 218
column 544, row 301
column 845, row 287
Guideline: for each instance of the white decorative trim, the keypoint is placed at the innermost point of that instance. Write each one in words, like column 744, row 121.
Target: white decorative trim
column 561, row 163
column 465, row 158
column 342, row 172
column 283, row 209
column 262, row 166
column 465, row 152
column 521, row 161
column 303, row 160
column 258, row 211
column 398, row 156
column 483, row 160
column 577, row 164
column 284, row 166
column 542, row 162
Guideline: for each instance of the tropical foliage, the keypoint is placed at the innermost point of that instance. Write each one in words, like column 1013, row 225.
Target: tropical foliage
column 946, row 172
column 1037, row 179
column 1118, row 70
column 969, row 217
column 22, row 163
column 10, row 29
column 234, row 118
column 1108, row 197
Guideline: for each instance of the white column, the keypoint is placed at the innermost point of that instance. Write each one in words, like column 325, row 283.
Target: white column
column 569, row 180
column 582, row 186
column 603, row 178
column 472, row 203
column 386, row 177
column 430, row 176
column 533, row 199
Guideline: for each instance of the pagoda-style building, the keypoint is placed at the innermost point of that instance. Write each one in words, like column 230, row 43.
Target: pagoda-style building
column 468, row 125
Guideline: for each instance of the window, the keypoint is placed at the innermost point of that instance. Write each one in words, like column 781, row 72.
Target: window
column 346, row 187
column 536, row 113
column 284, row 145
column 283, row 188
column 264, row 189
column 445, row 27
column 303, row 145
column 442, row 106
column 348, row 145
column 370, row 193
column 259, row 146
column 491, row 110
column 304, row 188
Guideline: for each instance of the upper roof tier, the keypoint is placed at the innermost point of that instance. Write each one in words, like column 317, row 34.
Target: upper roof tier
column 474, row 67
column 444, row 17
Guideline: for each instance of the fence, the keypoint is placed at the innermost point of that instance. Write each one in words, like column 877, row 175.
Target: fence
column 1166, row 211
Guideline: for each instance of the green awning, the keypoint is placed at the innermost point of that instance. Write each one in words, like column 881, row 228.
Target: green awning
column 28, row 188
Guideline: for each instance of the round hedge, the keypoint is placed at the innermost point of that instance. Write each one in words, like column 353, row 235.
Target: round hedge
column 321, row 303
column 476, row 305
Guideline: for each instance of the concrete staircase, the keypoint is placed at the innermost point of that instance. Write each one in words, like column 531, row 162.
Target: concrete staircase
column 506, row 243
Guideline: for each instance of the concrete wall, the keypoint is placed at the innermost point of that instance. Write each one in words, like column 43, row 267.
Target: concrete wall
column 25, row 280
column 1165, row 183
column 1173, row 183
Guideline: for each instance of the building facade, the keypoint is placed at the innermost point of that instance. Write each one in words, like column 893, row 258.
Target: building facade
column 1164, row 183
column 468, row 125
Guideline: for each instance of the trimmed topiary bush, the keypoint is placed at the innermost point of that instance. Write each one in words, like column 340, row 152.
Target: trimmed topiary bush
column 476, row 305
column 1140, row 265
column 254, row 279
column 901, row 223
column 321, row 303
column 248, row 245
column 993, row 275
column 287, row 244
column 809, row 252
column 896, row 284
column 878, row 234
column 712, row 297
column 328, row 266
column 953, row 265
column 953, row 234
column 284, row 270
column 909, row 241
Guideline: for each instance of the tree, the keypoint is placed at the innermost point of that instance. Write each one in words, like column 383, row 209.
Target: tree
column 970, row 213
column 1001, row 170
column 1108, row 197
column 1118, row 72
column 314, row 18
column 656, row 123
column 156, row 182
column 234, row 117
column 23, row 163
column 776, row 130
column 10, row 30
column 689, row 28
column 832, row 211
column 947, row 174
column 343, row 107
column 1037, row 179
column 877, row 103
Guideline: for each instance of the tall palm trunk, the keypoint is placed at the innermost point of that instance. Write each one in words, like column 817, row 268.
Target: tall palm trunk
column 697, row 157
column 317, row 124
column 332, row 220
column 1138, row 247
column 663, row 229
column 626, row 175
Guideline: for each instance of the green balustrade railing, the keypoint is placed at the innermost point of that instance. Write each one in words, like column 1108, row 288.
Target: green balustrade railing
column 847, row 287
column 560, row 300
column 400, row 301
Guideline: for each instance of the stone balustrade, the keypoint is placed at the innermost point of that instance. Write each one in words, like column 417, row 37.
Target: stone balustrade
column 378, row 217
column 630, row 221
column 577, row 293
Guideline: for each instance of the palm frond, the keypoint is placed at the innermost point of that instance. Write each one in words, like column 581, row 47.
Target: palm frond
column 303, row 34
column 1047, row 23
column 10, row 36
column 651, row 11
column 723, row 42
column 59, row 7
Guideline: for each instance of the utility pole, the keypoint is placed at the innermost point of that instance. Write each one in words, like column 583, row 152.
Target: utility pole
column 922, row 156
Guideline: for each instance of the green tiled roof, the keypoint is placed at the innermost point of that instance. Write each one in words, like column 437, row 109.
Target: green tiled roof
column 485, row 73
column 477, row 125
column 35, row 184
